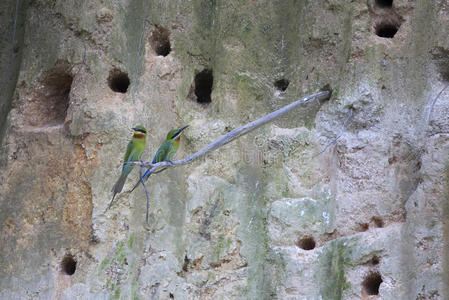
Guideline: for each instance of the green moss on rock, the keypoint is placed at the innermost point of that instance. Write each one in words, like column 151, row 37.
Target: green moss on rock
column 332, row 269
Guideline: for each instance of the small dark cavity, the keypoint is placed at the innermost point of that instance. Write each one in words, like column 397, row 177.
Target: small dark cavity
column 160, row 41
column 281, row 84
column 371, row 283
column 384, row 3
column 60, row 86
column 203, row 86
column 386, row 30
column 118, row 81
column 68, row 265
column 171, row 296
column 327, row 88
column 306, row 243
column 375, row 260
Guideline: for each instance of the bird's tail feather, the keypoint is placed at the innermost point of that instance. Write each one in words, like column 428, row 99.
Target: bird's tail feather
column 117, row 188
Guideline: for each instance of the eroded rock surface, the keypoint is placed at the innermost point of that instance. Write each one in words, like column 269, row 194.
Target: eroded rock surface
column 266, row 217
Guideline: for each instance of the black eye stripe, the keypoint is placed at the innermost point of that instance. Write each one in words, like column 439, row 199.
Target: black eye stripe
column 141, row 130
column 176, row 135
column 179, row 132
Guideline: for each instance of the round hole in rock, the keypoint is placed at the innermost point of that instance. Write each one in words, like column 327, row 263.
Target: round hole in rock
column 386, row 30
column 306, row 243
column 160, row 42
column 203, row 86
column 371, row 283
column 118, row 81
column 281, row 84
column 384, row 3
column 68, row 265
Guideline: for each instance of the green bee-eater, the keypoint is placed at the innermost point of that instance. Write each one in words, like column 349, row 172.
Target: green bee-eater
column 133, row 153
column 166, row 150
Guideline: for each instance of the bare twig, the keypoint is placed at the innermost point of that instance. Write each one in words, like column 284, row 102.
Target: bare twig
column 338, row 136
column 234, row 134
column 146, row 194
column 433, row 104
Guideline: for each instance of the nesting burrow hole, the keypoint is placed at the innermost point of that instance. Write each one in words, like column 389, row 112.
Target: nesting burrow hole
column 371, row 283
column 386, row 30
column 387, row 21
column 281, row 85
column 68, row 265
column 201, row 89
column 160, row 42
column 50, row 100
column 306, row 243
column 384, row 3
column 118, row 81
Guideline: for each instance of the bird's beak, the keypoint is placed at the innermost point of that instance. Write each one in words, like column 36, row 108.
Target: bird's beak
column 178, row 134
column 182, row 128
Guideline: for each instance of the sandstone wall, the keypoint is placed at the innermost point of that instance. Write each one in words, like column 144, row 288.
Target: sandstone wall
column 264, row 217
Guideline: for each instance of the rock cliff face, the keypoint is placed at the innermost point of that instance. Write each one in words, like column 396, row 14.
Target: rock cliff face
column 264, row 217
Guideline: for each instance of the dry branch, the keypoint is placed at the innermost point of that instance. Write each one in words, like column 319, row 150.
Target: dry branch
column 234, row 134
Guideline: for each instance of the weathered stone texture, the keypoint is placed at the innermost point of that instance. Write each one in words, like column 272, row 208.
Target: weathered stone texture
column 264, row 217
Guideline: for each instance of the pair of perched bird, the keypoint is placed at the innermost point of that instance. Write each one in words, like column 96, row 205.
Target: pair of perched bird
column 135, row 149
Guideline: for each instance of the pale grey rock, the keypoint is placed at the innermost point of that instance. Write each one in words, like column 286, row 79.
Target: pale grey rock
column 264, row 217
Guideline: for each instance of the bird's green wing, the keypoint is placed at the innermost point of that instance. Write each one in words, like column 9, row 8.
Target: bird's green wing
column 135, row 154
column 128, row 151
column 162, row 152
column 128, row 157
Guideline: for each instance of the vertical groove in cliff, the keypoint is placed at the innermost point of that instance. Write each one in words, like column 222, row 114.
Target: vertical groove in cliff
column 12, row 24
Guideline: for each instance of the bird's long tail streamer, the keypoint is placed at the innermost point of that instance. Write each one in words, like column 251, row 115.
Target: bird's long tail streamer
column 142, row 180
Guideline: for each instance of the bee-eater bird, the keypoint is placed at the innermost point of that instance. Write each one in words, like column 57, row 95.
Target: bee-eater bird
column 133, row 153
column 166, row 151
